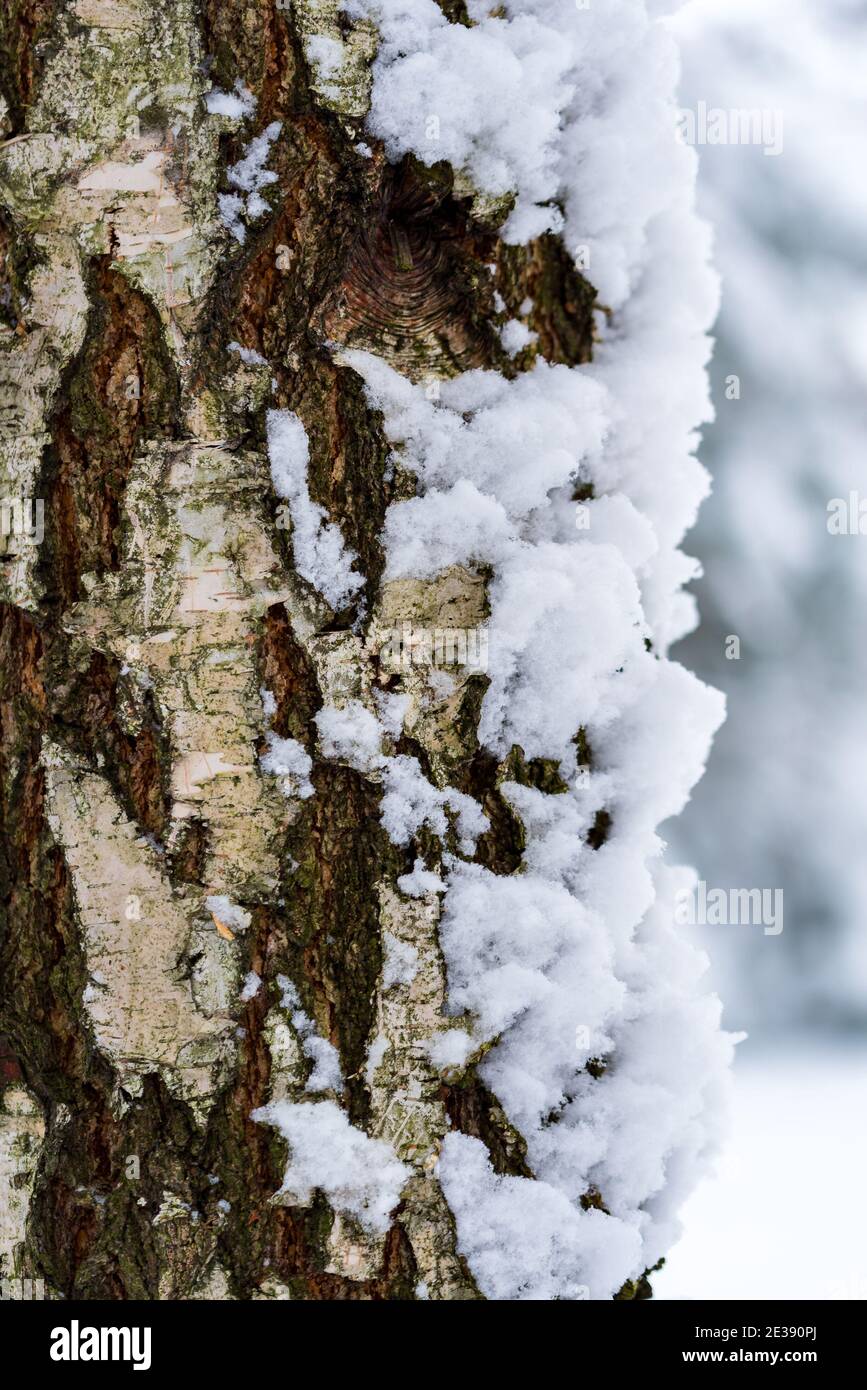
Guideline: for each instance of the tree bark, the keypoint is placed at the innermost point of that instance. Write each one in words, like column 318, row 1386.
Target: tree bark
column 137, row 636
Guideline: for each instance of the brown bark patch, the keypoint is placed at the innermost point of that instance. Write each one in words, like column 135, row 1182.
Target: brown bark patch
column 120, row 390
column 288, row 673
column 563, row 301
column 23, row 23
column 332, row 914
column 474, row 1110
column 252, row 40
column 414, row 288
column 84, row 704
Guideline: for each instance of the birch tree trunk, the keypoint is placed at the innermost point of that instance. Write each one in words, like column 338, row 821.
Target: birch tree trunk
column 180, row 925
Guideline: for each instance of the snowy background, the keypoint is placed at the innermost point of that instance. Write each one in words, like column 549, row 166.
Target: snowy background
column 784, row 801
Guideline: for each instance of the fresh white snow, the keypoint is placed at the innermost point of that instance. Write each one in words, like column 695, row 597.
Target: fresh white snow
column 360, row 1176
column 571, row 113
column 227, row 912
column 252, row 985
column 351, row 734
column 237, row 104
column 288, row 761
column 577, row 958
column 559, row 105
column 318, row 548
column 410, row 801
column 249, row 176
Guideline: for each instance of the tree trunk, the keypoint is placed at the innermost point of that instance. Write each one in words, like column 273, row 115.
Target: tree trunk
column 198, row 890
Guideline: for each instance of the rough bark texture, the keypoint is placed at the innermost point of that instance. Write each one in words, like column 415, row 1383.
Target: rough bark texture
column 136, row 637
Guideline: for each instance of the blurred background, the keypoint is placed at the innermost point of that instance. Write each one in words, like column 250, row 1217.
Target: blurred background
column 784, row 801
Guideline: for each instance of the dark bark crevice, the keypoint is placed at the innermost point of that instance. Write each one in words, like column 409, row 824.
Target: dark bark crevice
column 24, row 25
column 120, row 390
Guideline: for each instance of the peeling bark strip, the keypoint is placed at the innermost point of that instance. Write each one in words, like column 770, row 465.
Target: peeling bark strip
column 333, row 964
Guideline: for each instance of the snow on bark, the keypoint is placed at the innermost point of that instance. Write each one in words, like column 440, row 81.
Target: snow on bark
column 564, row 110
column 360, row 1176
column 200, row 568
column 575, row 959
column 406, row 1109
column 533, row 975
column 85, row 179
column 320, row 554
